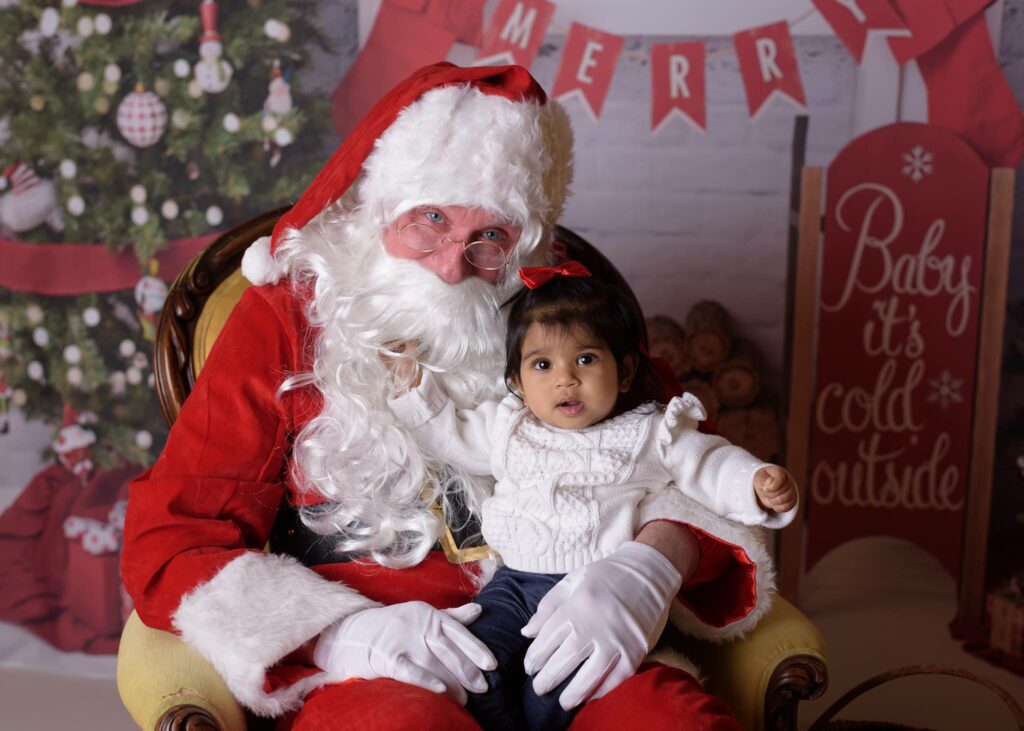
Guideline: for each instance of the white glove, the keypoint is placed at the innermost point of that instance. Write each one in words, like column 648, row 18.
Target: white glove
column 607, row 615
column 410, row 642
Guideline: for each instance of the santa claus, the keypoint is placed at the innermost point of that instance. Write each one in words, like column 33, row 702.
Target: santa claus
column 287, row 437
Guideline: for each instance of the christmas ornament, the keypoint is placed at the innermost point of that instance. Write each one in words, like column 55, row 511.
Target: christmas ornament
column 85, row 26
column 150, row 294
column 85, row 81
column 182, row 68
column 232, row 123
column 41, row 337
column 103, row 24
column 108, row 86
column 19, row 398
column 35, row 371
column 101, row 105
column 73, row 442
column 117, row 381
column 91, row 316
column 212, row 72
column 137, row 194
column 133, row 376
column 68, row 169
column 162, row 87
column 126, row 348
column 169, row 210
column 75, row 376
column 49, row 22
column 143, row 439
column 283, row 137
column 37, row 103
column 180, row 118
column 29, row 202
column 140, row 216
column 279, row 93
column 34, row 314
column 142, row 117
column 139, row 360
column 195, row 89
column 75, row 205
column 112, row 72
column 73, row 354
column 214, row 216
column 277, row 31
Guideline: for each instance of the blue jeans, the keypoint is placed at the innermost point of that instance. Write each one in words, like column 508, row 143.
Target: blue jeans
column 510, row 704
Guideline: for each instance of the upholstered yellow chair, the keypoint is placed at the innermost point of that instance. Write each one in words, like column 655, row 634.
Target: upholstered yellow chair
column 167, row 686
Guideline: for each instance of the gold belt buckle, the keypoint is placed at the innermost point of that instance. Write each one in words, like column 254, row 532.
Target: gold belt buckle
column 451, row 549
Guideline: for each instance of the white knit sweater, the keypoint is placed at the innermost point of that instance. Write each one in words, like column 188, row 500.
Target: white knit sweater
column 565, row 498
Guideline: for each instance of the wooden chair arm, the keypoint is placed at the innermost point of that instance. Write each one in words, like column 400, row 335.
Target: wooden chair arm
column 765, row 675
column 165, row 685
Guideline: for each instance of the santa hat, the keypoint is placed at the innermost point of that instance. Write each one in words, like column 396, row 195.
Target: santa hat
column 208, row 15
column 483, row 136
column 72, row 435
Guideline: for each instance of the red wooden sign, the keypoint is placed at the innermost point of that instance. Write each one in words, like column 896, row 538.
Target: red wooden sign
column 901, row 272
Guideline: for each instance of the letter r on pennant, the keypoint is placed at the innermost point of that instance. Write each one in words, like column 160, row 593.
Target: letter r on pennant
column 767, row 52
column 679, row 68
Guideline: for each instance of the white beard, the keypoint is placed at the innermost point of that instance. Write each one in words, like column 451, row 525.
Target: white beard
column 355, row 454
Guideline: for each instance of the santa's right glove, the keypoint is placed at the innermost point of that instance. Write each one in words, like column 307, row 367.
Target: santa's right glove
column 410, row 642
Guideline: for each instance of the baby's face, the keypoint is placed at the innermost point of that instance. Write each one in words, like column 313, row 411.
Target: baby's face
column 568, row 379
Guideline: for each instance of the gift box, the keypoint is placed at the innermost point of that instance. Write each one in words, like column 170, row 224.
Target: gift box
column 1006, row 608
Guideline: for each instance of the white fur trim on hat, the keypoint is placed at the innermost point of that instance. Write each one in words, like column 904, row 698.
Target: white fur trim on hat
column 259, row 266
column 459, row 146
column 73, row 437
column 252, row 613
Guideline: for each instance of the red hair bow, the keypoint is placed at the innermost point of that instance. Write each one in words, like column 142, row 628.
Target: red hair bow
column 534, row 277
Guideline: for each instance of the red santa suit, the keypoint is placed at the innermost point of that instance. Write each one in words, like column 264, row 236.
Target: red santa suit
column 198, row 521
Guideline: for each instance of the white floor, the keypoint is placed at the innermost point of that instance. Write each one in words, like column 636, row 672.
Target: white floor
column 880, row 603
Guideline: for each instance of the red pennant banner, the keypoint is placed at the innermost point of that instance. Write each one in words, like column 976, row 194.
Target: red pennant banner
column 852, row 19
column 515, row 33
column 588, row 63
column 61, row 270
column 768, row 66
column 677, row 84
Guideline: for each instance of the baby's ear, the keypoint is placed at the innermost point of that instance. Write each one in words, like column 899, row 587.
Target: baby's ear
column 512, row 382
column 629, row 364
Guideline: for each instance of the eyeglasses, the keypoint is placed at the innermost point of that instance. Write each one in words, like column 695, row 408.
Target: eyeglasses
column 488, row 255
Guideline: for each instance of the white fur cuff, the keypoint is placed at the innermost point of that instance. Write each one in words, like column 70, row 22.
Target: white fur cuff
column 750, row 541
column 259, row 265
column 255, row 611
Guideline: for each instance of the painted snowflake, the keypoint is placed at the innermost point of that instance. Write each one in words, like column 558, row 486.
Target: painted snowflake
column 918, row 163
column 945, row 390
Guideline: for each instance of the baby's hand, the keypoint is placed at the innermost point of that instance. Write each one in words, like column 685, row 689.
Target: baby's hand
column 404, row 369
column 775, row 489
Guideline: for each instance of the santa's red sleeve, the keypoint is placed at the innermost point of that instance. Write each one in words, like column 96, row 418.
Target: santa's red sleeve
column 199, row 519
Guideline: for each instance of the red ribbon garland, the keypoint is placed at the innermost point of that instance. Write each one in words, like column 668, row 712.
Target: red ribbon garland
column 61, row 270
column 534, row 277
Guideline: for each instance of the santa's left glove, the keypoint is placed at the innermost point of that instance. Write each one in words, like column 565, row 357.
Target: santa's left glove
column 411, row 642
column 603, row 619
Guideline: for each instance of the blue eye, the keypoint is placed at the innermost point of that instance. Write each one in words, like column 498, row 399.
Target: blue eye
column 492, row 234
column 434, row 217
column 585, row 359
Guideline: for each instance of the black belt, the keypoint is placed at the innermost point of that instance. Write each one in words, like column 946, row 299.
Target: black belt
column 293, row 537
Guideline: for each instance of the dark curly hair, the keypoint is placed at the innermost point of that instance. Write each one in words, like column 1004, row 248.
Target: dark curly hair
column 605, row 311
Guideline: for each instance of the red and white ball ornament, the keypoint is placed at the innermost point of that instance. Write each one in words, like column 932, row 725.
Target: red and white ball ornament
column 142, row 117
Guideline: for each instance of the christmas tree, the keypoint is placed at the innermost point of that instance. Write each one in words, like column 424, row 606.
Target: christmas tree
column 129, row 126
